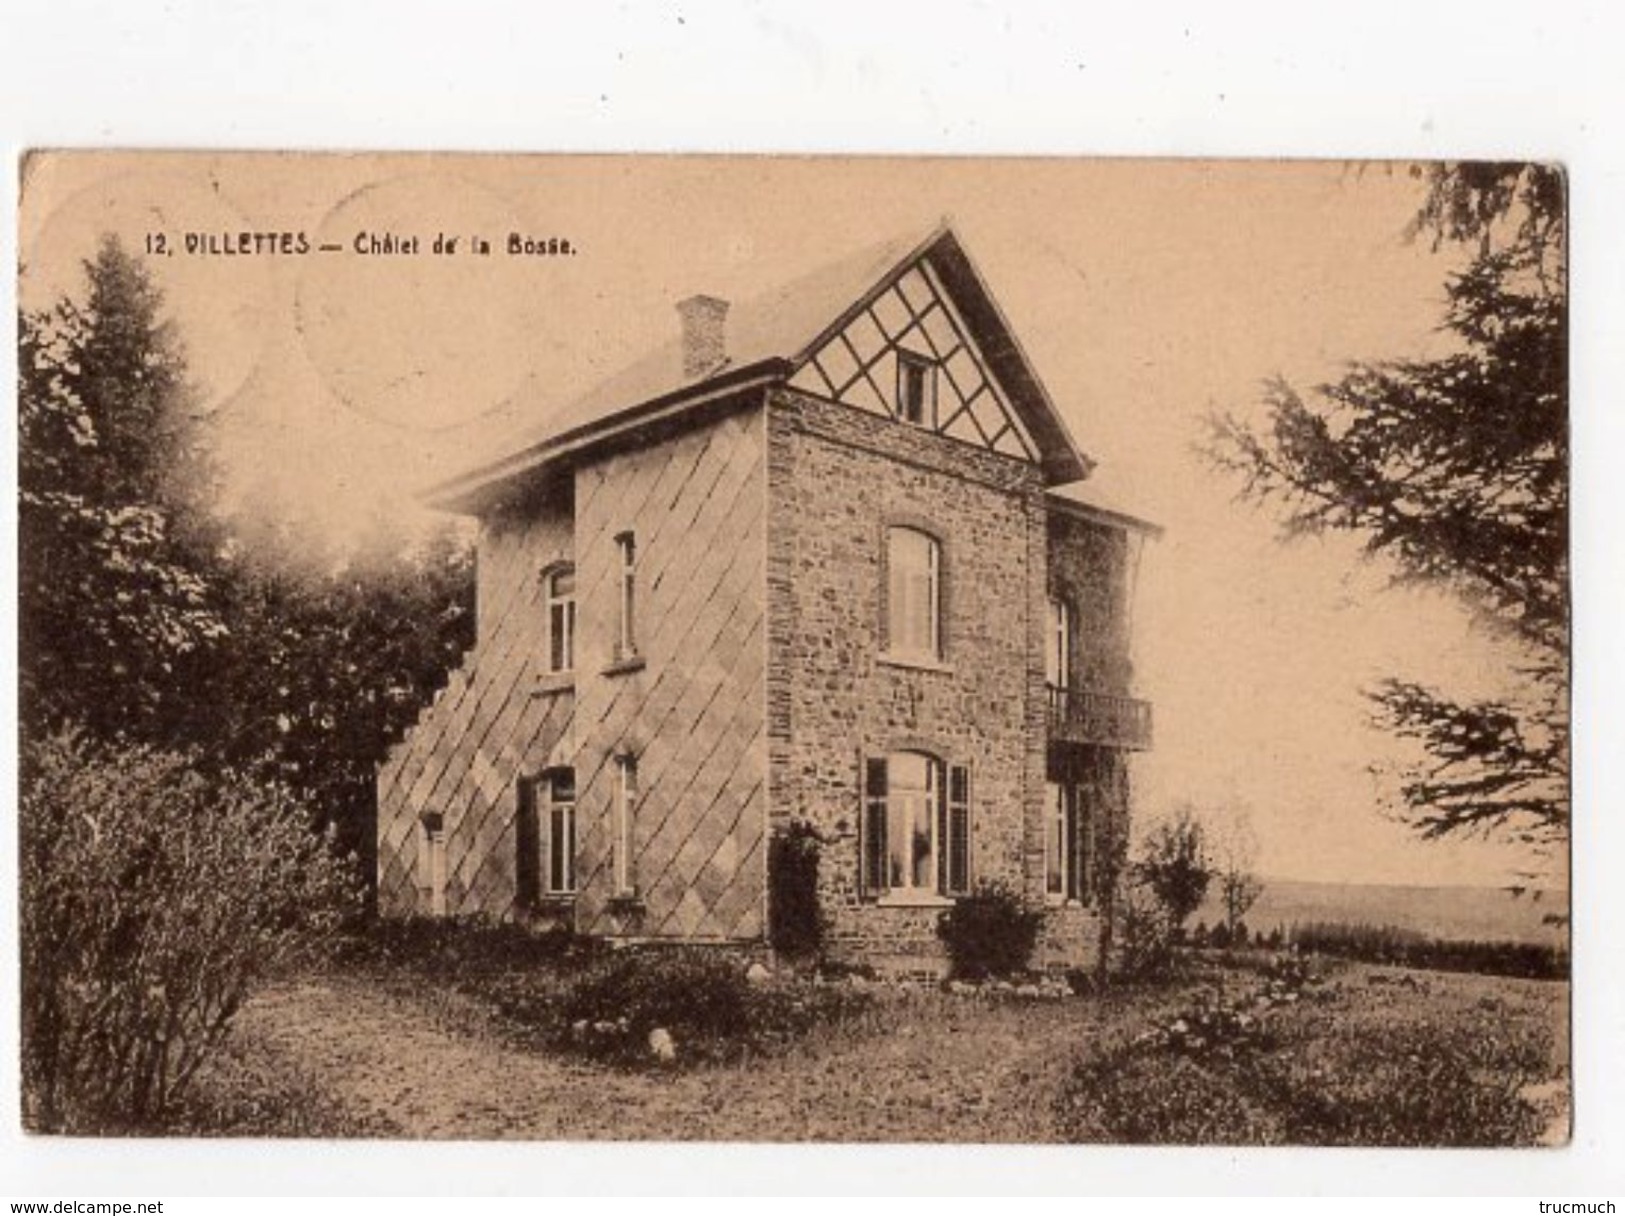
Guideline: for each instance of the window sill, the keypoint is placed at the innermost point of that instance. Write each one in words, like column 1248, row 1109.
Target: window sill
column 551, row 683
column 627, row 905
column 913, row 662
column 621, row 667
column 913, row 899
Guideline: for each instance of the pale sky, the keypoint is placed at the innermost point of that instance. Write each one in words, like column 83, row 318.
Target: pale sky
column 1146, row 294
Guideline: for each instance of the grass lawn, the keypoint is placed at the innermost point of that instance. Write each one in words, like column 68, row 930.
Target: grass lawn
column 1363, row 1055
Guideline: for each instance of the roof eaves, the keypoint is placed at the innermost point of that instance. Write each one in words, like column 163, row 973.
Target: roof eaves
column 1103, row 515
column 462, row 492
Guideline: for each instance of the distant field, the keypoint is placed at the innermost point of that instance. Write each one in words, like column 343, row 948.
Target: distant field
column 1450, row 913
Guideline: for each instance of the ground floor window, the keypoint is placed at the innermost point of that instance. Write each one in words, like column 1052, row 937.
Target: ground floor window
column 546, row 837
column 624, row 812
column 1068, row 877
column 560, row 834
column 916, row 826
column 432, row 860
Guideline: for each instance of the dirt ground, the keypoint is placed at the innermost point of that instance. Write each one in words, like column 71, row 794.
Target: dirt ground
column 925, row 1066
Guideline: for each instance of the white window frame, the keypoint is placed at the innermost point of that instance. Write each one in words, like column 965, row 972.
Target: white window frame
column 1066, row 829
column 626, row 645
column 901, row 883
column 909, row 361
column 561, row 620
column 625, row 814
column 434, row 848
column 896, row 644
column 1058, row 644
column 889, row 871
column 560, row 831
column 1057, row 843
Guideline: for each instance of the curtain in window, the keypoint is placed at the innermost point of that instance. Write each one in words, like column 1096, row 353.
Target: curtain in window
column 916, row 833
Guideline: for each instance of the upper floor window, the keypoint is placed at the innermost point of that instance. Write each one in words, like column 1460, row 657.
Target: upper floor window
column 1058, row 644
column 916, row 390
column 914, row 594
column 626, row 644
column 561, row 619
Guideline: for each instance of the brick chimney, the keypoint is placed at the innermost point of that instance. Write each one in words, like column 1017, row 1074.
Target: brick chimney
column 704, row 344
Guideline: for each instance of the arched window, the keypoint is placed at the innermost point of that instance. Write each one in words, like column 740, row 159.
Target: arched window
column 561, row 619
column 913, row 594
column 916, row 831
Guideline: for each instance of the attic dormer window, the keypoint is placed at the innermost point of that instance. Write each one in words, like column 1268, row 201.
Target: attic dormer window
column 916, row 390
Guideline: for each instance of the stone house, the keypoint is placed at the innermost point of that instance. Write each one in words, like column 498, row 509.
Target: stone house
column 815, row 560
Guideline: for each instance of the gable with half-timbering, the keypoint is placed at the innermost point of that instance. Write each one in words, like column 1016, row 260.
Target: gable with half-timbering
column 906, row 352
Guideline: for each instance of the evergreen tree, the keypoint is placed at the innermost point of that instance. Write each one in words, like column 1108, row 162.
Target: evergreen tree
column 1455, row 471
column 113, row 522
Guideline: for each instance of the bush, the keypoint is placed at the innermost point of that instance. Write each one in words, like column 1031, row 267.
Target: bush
column 700, row 997
column 689, row 992
column 1222, row 1076
column 1160, row 1097
column 1147, row 936
column 795, row 920
column 989, row 933
column 152, row 899
column 1175, row 866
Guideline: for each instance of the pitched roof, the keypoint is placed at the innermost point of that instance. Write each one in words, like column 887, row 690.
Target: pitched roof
column 768, row 338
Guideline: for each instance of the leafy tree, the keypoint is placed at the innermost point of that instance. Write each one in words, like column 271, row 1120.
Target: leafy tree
column 1455, row 471
column 1174, row 864
column 113, row 531
column 333, row 654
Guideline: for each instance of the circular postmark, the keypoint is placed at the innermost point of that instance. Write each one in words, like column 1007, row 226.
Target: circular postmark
column 411, row 308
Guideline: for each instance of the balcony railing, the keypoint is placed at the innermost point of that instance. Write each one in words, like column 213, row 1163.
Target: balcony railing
column 1077, row 716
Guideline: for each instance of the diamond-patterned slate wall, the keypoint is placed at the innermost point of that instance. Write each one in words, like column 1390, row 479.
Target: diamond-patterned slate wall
column 693, row 715
column 488, row 727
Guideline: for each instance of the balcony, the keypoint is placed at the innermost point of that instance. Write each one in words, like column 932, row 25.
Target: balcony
column 1077, row 716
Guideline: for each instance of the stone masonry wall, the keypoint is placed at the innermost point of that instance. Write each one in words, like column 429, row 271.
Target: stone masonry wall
column 1088, row 567
column 838, row 478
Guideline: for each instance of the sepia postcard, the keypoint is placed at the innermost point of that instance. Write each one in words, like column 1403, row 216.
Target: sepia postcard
column 794, row 649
